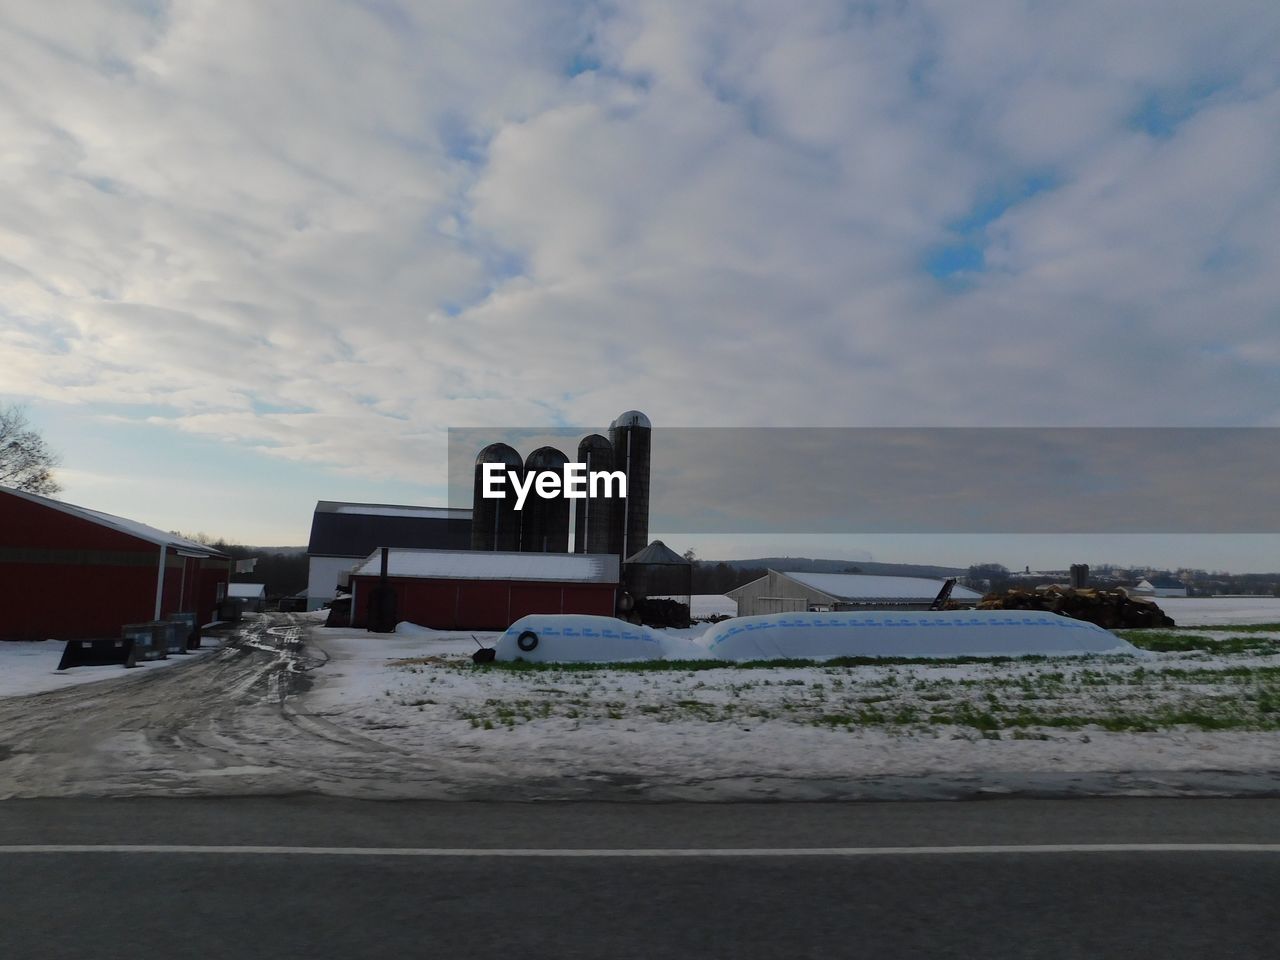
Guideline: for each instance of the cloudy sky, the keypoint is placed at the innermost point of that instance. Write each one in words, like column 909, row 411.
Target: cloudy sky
column 258, row 254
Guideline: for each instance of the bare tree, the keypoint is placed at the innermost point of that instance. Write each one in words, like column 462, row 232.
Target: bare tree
column 26, row 462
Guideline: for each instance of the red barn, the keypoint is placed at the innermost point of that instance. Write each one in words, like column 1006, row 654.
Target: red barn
column 70, row 573
column 483, row 590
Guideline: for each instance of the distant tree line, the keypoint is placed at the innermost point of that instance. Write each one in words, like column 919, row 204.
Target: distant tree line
column 996, row 578
column 284, row 574
column 720, row 577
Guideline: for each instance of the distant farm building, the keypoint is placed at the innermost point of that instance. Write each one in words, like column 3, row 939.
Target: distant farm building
column 485, row 590
column 780, row 592
column 1160, row 587
column 252, row 596
column 73, row 573
column 343, row 534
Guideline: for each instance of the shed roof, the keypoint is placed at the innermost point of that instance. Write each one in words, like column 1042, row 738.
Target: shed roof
column 493, row 565
column 864, row 587
column 658, row 553
column 132, row 528
column 340, row 529
column 247, row 591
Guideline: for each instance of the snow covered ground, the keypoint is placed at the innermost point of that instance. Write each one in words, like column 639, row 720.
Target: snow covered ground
column 702, row 605
column 1194, row 611
column 33, row 667
column 417, row 691
column 409, row 715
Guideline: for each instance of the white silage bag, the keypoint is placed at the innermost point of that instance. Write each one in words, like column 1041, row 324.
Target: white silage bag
column 927, row 633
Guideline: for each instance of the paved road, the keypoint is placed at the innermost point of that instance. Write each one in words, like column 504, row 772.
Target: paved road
column 414, row 879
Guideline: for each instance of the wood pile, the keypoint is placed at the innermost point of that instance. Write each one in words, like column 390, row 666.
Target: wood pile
column 662, row 612
column 1109, row 609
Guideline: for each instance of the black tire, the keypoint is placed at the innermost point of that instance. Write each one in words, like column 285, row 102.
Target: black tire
column 527, row 641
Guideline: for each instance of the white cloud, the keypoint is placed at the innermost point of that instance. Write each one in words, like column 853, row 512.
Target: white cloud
column 319, row 227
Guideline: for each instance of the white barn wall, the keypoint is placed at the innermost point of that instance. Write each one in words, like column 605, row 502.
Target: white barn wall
column 322, row 578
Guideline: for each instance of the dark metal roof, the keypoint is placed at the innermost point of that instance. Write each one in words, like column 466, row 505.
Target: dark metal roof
column 357, row 529
column 658, row 553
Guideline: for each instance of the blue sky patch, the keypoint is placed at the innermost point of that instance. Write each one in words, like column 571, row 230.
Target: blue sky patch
column 1161, row 113
column 965, row 254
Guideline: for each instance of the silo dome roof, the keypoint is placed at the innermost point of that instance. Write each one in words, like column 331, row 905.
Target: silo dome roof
column 632, row 418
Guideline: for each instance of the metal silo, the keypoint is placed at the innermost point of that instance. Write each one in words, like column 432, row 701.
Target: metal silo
column 495, row 524
column 593, row 516
column 630, row 435
column 544, row 521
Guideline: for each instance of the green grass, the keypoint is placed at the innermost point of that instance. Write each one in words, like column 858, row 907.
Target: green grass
column 1160, row 641
column 1222, row 715
column 1022, row 698
column 1240, row 627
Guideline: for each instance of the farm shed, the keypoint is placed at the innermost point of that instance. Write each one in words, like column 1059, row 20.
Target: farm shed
column 252, row 595
column 1160, row 587
column 343, row 534
column 72, row 573
column 780, row 592
column 483, row 590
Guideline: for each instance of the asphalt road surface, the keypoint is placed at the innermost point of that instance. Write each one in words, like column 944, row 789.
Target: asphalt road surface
column 317, row 877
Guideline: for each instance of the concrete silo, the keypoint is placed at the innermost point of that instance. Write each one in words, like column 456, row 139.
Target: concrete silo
column 544, row 521
column 593, row 516
column 630, row 436
column 495, row 524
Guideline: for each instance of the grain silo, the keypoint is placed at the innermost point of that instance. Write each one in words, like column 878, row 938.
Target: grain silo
column 660, row 583
column 593, row 516
column 544, row 521
column 495, row 524
column 630, row 436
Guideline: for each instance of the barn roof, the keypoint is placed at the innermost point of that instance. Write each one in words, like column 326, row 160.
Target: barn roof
column 658, row 553
column 864, row 587
column 340, row 529
column 132, row 528
column 493, row 565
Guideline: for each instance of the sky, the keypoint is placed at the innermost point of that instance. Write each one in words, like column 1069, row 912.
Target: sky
column 256, row 255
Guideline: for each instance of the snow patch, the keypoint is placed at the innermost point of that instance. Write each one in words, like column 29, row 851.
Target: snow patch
column 33, row 667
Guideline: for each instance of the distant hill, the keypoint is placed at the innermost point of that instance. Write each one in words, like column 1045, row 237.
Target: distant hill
column 809, row 565
column 287, row 551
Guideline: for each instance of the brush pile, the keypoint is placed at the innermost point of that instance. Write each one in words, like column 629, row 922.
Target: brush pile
column 662, row 612
column 1109, row 609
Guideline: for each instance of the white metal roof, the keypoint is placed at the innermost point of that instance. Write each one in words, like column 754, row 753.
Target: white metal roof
column 487, row 565
column 131, row 527
column 863, row 586
column 249, row 591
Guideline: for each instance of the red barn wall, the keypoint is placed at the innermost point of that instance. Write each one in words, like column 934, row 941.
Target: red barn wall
column 482, row 604
column 65, row 578
column 212, row 573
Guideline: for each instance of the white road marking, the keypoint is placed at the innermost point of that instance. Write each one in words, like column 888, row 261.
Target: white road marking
column 653, row 853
